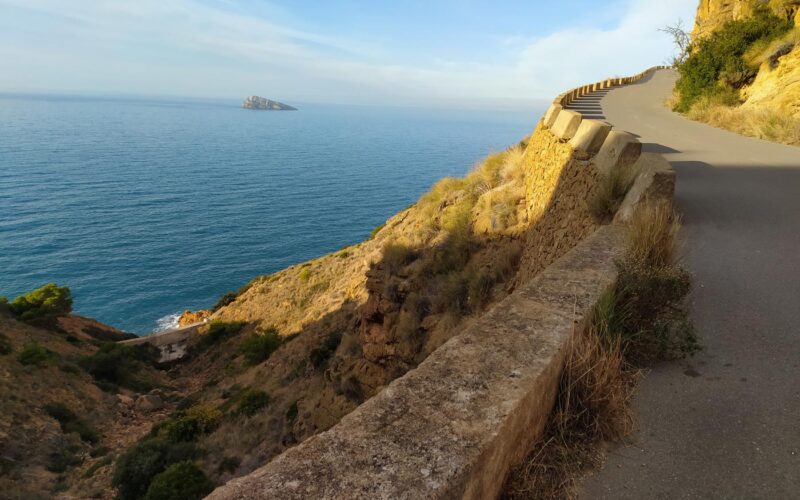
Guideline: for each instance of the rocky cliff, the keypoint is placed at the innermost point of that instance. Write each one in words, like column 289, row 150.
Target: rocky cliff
column 774, row 93
column 256, row 102
column 712, row 14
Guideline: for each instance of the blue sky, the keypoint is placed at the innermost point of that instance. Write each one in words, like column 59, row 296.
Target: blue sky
column 444, row 52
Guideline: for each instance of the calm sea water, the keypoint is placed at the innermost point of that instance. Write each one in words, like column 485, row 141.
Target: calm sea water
column 148, row 207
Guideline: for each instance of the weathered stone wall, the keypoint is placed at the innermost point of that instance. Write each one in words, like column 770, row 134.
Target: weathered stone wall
column 557, row 185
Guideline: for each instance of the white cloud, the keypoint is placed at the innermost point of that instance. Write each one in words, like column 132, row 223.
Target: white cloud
column 103, row 45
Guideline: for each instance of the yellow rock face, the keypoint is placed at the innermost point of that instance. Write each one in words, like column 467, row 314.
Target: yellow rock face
column 777, row 88
column 712, row 14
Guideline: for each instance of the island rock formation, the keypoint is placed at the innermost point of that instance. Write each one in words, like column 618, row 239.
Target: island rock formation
column 256, row 102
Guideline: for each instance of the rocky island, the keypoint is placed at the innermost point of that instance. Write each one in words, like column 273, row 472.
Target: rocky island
column 255, row 102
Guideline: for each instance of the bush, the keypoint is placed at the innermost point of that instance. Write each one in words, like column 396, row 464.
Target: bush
column 259, row 346
column 118, row 364
column 251, row 401
column 480, row 288
column 5, row 345
column 396, row 256
column 33, row 354
column 320, row 355
column 219, row 330
column 137, row 467
column 70, row 422
column 63, row 457
column 229, row 465
column 291, row 412
column 47, row 302
column 180, row 481
column 718, row 59
column 188, row 425
column 224, row 301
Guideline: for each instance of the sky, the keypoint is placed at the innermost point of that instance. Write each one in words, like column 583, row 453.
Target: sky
column 461, row 53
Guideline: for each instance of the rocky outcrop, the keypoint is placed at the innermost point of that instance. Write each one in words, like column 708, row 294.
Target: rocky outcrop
column 256, row 102
column 192, row 317
column 712, row 14
column 777, row 87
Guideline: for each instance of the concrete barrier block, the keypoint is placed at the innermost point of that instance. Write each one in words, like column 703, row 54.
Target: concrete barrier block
column 567, row 124
column 552, row 114
column 655, row 181
column 620, row 150
column 590, row 136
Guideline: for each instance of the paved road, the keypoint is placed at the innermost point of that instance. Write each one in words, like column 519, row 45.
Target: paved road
column 726, row 423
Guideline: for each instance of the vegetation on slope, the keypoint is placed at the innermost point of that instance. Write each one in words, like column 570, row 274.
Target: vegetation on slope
column 716, row 76
column 59, row 427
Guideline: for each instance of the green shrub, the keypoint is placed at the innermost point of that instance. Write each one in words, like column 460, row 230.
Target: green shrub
column 33, row 354
column 188, row 425
column 70, row 422
column 229, row 465
column 320, row 355
column 259, row 346
column 396, row 256
column 63, row 457
column 717, row 60
column 137, row 467
column 5, row 345
column 291, row 413
column 49, row 301
column 219, row 330
column 180, row 481
column 224, row 301
column 452, row 294
column 117, row 364
column 251, row 401
column 480, row 288
column 97, row 466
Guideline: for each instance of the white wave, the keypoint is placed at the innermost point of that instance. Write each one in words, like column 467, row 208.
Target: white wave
column 168, row 322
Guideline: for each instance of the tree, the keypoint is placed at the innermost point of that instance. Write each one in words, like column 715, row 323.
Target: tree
column 47, row 302
column 681, row 39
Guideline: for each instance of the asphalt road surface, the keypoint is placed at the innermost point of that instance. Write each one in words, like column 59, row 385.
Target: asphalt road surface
column 725, row 423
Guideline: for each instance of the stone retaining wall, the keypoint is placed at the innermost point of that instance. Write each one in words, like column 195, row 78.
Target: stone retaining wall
column 455, row 425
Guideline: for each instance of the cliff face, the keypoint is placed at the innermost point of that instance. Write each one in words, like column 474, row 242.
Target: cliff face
column 712, row 14
column 776, row 89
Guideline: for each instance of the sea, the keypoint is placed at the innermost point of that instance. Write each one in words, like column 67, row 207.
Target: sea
column 147, row 207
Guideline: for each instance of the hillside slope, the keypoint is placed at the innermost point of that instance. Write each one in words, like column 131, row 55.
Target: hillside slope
column 746, row 53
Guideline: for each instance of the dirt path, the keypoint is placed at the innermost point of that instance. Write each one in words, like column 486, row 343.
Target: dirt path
column 726, row 423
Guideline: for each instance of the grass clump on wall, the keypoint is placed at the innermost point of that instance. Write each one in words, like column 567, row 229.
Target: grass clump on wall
column 638, row 322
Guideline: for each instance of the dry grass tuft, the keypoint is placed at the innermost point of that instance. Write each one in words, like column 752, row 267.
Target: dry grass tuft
column 592, row 406
column 760, row 123
column 640, row 321
column 610, row 192
column 653, row 235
